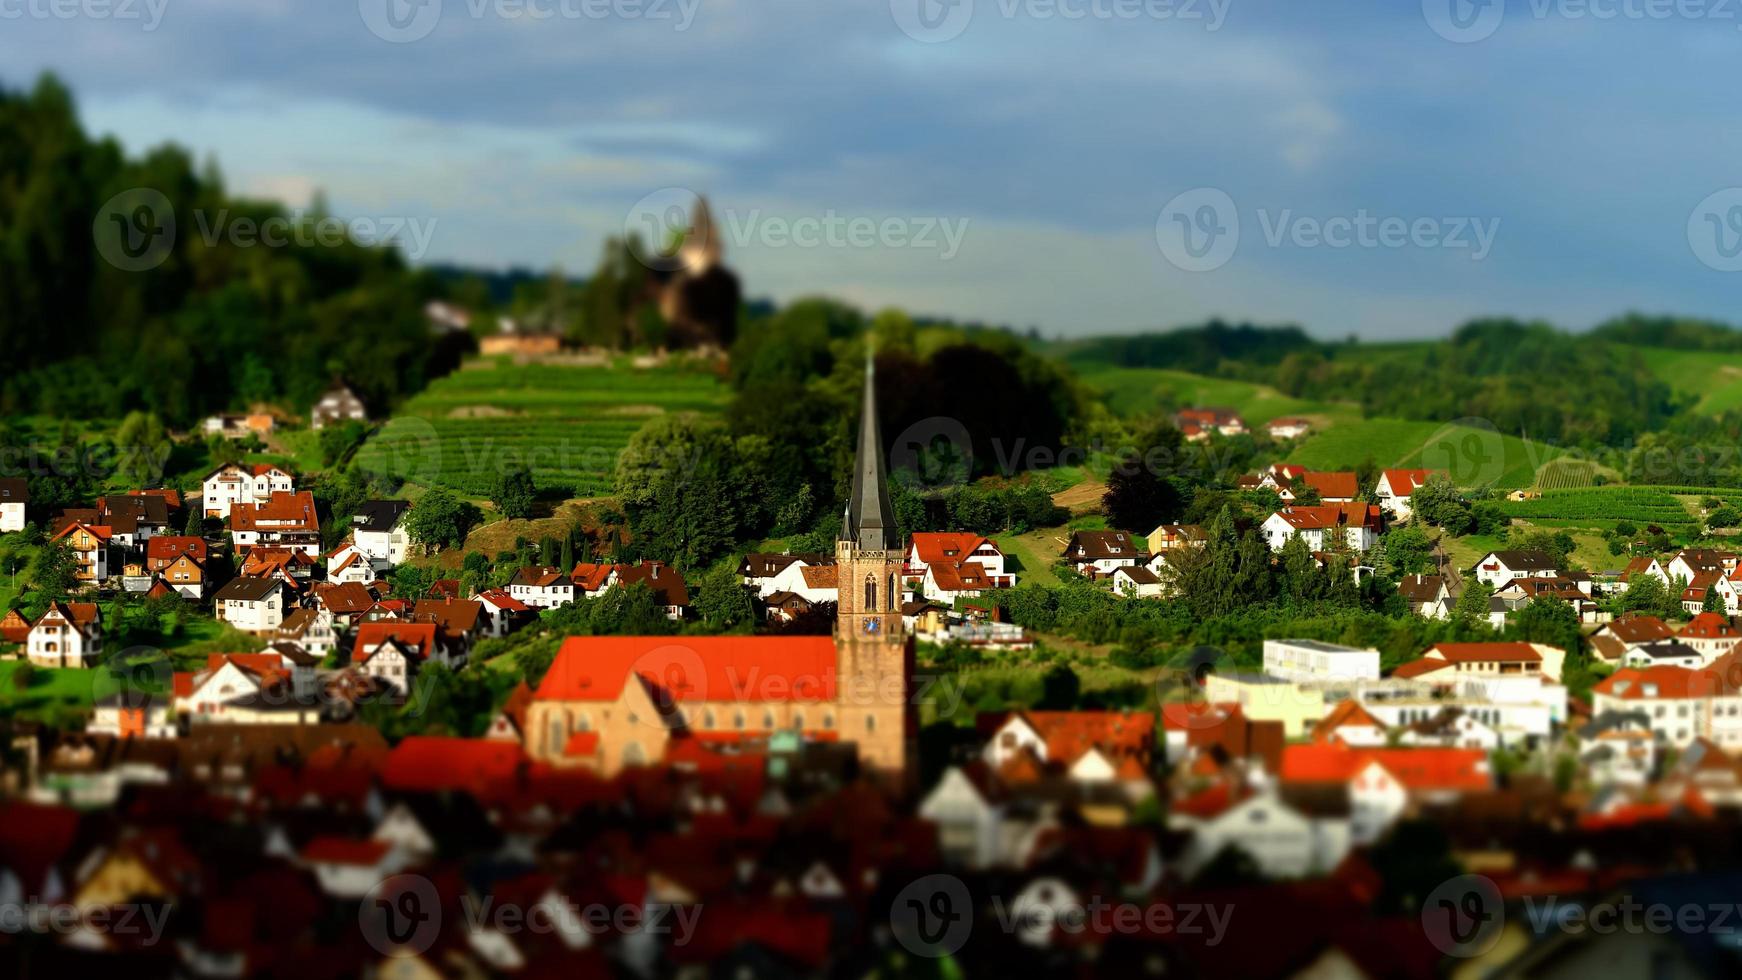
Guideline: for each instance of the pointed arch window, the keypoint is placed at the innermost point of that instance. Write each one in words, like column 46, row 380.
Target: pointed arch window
column 870, row 594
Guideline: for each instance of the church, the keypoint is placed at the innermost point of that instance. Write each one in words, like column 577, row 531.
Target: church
column 612, row 702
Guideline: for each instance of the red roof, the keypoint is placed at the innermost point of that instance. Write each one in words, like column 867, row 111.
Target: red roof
column 1415, row 768
column 1710, row 626
column 345, row 850
column 945, row 546
column 171, row 547
column 591, row 577
column 1070, row 734
column 281, row 512
column 694, row 668
column 502, row 600
column 1333, row 485
column 425, row 763
column 1641, row 683
column 1404, row 482
column 966, row 577
column 1347, row 712
column 417, row 638
column 1322, row 516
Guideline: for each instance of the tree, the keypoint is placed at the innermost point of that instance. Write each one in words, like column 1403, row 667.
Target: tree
column 721, row 598
column 567, row 556
column 1140, row 496
column 1472, row 606
column 441, row 519
column 142, row 447
column 1060, row 689
column 53, row 573
column 514, row 493
column 1408, row 551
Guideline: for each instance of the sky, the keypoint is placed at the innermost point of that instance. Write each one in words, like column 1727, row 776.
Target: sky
column 1384, row 169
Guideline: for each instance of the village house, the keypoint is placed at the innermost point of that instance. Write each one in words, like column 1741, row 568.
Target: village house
column 1523, row 591
column 1197, row 424
column 542, row 587
column 1644, row 565
column 337, row 404
column 1712, row 634
column 1496, row 569
column 243, row 689
column 770, row 573
column 670, row 591
column 132, row 714
column 14, row 496
column 310, row 627
column 254, row 605
column 1690, row 562
column 1296, row 705
column 1352, row 725
column 1613, row 639
column 954, row 548
column 1715, row 586
column 292, row 565
column 1288, row 427
column 458, row 622
column 347, row 563
column 1491, row 659
column 1097, row 553
column 502, row 613
column 133, row 519
column 233, row 426
column 1332, row 488
column 1663, row 653
column 66, row 635
column 90, row 547
column 237, row 483
column 1168, row 537
column 1396, row 487
column 1287, row 832
column 284, row 520
column 378, row 531
column 186, row 576
column 1386, row 784
column 1314, row 660
column 1139, row 582
column 1681, row 704
column 1325, row 527
column 1454, row 727
column 394, row 652
column 1427, row 595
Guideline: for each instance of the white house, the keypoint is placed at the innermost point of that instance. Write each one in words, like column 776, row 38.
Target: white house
column 1310, row 660
column 1663, row 653
column 1384, row 782
column 252, row 604
column 234, row 483
column 349, row 869
column 954, row 548
column 283, row 520
column 1427, row 595
column 1288, row 427
column 66, row 635
column 1690, row 562
column 1498, row 568
column 348, row 563
column 1396, row 487
column 243, row 689
column 542, row 587
column 132, row 714
column 1681, row 704
column 1325, row 526
column 378, row 531
column 337, row 404
column 1712, row 634
column 14, row 495
column 969, row 814
column 502, row 612
column 810, row 580
column 1140, row 582
column 1100, row 552
column 1282, row 841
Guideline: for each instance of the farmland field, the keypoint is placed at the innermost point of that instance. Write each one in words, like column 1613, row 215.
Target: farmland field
column 568, row 423
column 1604, row 506
column 1713, row 377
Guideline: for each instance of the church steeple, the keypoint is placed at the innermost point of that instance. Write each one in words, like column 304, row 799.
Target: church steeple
column 870, row 521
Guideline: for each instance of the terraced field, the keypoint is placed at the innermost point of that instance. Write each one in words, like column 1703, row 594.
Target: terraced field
column 567, row 423
column 1603, row 507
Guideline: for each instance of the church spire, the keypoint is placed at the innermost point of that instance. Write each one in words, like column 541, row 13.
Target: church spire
column 870, row 517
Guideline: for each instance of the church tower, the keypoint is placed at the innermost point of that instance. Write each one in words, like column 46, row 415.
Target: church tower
column 873, row 654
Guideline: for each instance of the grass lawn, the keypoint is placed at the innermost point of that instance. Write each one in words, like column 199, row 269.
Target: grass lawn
column 1714, row 377
column 1474, row 457
column 50, row 687
column 1030, row 556
column 1136, row 391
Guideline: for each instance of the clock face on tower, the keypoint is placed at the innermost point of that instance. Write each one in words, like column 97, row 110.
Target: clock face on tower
column 873, row 625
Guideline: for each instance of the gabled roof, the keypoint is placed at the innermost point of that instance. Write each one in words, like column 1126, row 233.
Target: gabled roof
column 1421, row 588
column 1347, row 714
column 168, row 547
column 820, row 576
column 946, row 546
column 666, row 582
column 418, row 640
column 452, row 615
column 591, row 577
column 502, row 600
column 694, row 668
column 346, row 598
column 1403, row 483
column 1420, row 769
column 85, row 617
column 1138, row 574
column 963, row 577
column 1327, row 516
column 1637, row 628
column 1665, row 650
column 1644, row 683
column 1333, row 485
column 1068, row 735
column 14, row 490
column 1523, row 560
column 540, row 577
column 1092, row 545
column 245, row 588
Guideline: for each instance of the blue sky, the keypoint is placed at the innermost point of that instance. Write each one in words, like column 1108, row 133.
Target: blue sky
column 1054, row 145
